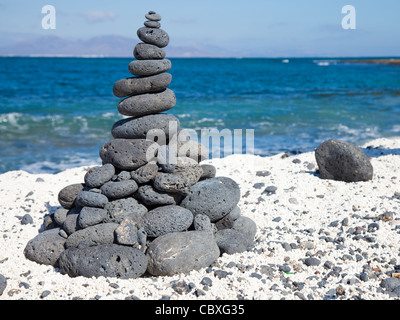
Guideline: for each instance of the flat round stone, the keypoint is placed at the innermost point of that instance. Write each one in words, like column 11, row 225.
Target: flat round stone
column 152, row 16
column 140, row 85
column 149, row 67
column 119, row 189
column 167, row 219
column 152, row 24
column 152, row 197
column 97, row 176
column 149, row 103
column 145, row 51
column 157, row 37
column 137, row 128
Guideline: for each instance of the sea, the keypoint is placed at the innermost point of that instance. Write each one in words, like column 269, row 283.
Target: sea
column 56, row 113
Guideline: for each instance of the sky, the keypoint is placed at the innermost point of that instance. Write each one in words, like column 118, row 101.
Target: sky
column 252, row 28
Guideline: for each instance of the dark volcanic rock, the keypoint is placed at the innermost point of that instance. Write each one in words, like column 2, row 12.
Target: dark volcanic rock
column 145, row 173
column 98, row 176
column 137, row 128
column 107, row 260
column 149, row 67
column 168, row 182
column 71, row 223
column 46, row 247
column 139, row 85
column 215, row 197
column 245, row 225
column 167, row 219
column 231, row 241
column 339, row 160
column 119, row 189
column 117, row 210
column 91, row 216
column 148, row 103
column 209, row 171
column 67, row 195
column 152, row 197
column 94, row 235
column 145, row 51
column 126, row 154
column 202, row 222
column 127, row 233
column 91, row 199
column 188, row 169
column 178, row 252
column 157, row 37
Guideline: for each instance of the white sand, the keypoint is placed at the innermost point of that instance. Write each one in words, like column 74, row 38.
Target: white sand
column 303, row 201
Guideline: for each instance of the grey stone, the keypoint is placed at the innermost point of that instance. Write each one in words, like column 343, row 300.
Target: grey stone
column 245, row 225
column 97, row 176
column 145, row 51
column 137, row 128
column 139, row 85
column 215, row 197
column 390, row 283
column 181, row 252
column 157, row 37
column 202, row 222
column 127, row 233
column 91, row 216
column 91, row 199
column 94, row 235
column 235, row 213
column 188, row 169
column 311, row 261
column 60, row 215
column 152, row 16
column 126, row 154
column 168, row 182
column 224, row 223
column 123, row 175
column 3, row 284
column 117, row 210
column 67, row 195
column 149, row 67
column 46, row 247
column 71, row 224
column 145, row 173
column 152, row 24
column 27, row 219
column 152, row 197
column 231, row 241
column 148, row 103
column 209, row 171
column 119, row 189
column 107, row 260
column 342, row 161
column 167, row 219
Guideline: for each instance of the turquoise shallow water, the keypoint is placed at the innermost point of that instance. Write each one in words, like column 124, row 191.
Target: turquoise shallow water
column 56, row 113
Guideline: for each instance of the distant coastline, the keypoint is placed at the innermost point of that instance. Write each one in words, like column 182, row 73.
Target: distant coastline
column 394, row 61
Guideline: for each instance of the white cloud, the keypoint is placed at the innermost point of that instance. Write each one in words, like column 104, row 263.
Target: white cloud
column 98, row 16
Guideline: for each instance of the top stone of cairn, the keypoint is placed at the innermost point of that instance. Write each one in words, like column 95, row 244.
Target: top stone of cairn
column 152, row 16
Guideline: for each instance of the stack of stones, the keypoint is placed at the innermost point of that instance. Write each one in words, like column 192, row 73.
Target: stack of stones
column 150, row 207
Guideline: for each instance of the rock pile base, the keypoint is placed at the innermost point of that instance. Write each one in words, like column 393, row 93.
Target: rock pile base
column 151, row 206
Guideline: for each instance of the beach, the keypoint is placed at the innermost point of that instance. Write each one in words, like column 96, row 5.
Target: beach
column 316, row 239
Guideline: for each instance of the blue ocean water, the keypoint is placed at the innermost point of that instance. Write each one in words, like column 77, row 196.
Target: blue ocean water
column 56, row 113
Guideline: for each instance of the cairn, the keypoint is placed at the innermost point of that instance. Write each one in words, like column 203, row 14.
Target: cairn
column 150, row 207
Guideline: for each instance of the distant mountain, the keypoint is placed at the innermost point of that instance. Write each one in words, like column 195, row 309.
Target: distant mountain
column 102, row 46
